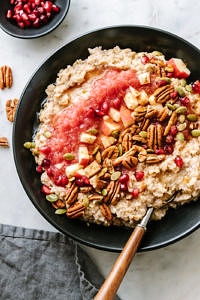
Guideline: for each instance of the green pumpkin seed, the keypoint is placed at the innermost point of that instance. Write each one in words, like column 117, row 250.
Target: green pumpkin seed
column 115, row 134
column 115, row 175
column 96, row 149
column 60, row 211
column 188, row 88
column 69, row 156
column 195, row 132
column 104, row 192
column 180, row 91
column 170, row 106
column 183, row 82
column 47, row 134
column 86, row 202
column 192, row 117
column 181, row 110
column 180, row 136
column 181, row 118
column 52, row 197
column 93, row 131
column 143, row 134
column 29, row 145
column 150, row 151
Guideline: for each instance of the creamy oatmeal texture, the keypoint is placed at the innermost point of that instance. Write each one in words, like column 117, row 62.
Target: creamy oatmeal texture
column 119, row 132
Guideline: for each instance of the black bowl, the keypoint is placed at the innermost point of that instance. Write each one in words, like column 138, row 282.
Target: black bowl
column 178, row 223
column 12, row 29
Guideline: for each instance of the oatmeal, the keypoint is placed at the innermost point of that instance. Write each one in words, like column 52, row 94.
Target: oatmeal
column 119, row 133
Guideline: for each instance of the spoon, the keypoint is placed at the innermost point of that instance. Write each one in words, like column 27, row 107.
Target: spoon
column 118, row 271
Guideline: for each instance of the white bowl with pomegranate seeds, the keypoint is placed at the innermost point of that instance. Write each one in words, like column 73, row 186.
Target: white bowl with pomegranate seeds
column 119, row 132
column 32, row 18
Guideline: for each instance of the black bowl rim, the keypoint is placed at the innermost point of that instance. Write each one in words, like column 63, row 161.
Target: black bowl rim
column 43, row 31
column 42, row 212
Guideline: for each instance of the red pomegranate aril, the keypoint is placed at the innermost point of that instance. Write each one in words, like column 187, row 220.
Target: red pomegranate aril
column 27, row 8
column 21, row 24
column 50, row 172
column 169, row 139
column 40, row 10
column 61, row 180
column 27, row 23
column 123, row 187
column 174, row 94
column 144, row 59
column 43, row 19
column 169, row 149
column 135, row 193
column 161, row 82
column 196, row 87
column 46, row 190
column 37, row 2
column 178, row 161
column 124, row 178
column 139, row 175
column 9, row 14
column 44, row 149
column 18, row 7
column 159, row 151
column 55, row 8
column 116, row 103
column 173, row 130
column 185, row 101
column 24, row 17
column 48, row 6
column 39, row 169
column 45, row 163
column 32, row 17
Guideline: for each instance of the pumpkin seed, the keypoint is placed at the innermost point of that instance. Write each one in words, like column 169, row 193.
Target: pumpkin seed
column 29, row 145
column 143, row 134
column 47, row 134
column 93, row 131
column 170, row 106
column 115, row 175
column 115, row 134
column 180, row 136
column 183, row 82
column 181, row 110
column 95, row 150
column 86, row 201
column 69, row 156
column 188, row 88
column 52, row 197
column 180, row 91
column 60, row 211
column 181, row 118
column 192, row 117
column 181, row 126
column 195, row 132
column 104, row 192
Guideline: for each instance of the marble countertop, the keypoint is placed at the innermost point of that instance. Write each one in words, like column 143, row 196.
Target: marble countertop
column 169, row 273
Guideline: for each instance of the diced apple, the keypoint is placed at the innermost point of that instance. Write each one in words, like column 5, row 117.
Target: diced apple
column 108, row 126
column 143, row 98
column 87, row 138
column 114, row 114
column 107, row 140
column 130, row 98
column 126, row 117
column 71, row 170
column 144, row 78
column 180, row 69
column 83, row 156
column 92, row 169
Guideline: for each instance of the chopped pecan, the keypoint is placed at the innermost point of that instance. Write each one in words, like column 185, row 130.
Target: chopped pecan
column 130, row 162
column 151, row 113
column 137, row 151
column 107, row 163
column 154, row 136
column 76, row 210
column 163, row 93
column 110, row 152
column 95, row 197
column 171, row 122
column 72, row 194
column 11, row 106
column 132, row 130
column 58, row 204
column 154, row 158
column 139, row 138
column 6, row 78
column 127, row 142
column 113, row 189
column 163, row 114
column 139, row 113
column 4, row 142
column 145, row 124
column 106, row 212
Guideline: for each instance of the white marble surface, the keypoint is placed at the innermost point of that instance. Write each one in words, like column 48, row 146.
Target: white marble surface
column 169, row 273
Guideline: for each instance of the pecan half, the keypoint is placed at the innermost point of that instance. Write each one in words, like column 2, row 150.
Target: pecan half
column 76, row 210
column 151, row 113
column 154, row 158
column 113, row 189
column 72, row 194
column 110, row 152
column 171, row 122
column 154, row 136
column 11, row 106
column 163, row 114
column 4, row 142
column 163, row 93
column 6, row 78
column 127, row 142
column 106, row 212
column 132, row 130
column 139, row 113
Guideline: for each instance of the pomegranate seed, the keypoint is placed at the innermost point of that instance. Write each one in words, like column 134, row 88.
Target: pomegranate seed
column 124, row 178
column 61, row 180
column 105, row 108
column 123, row 187
column 37, row 2
column 170, row 74
column 32, row 17
column 46, row 190
column 24, row 17
column 169, row 149
column 173, row 130
column 40, row 10
column 196, row 87
column 185, row 101
column 39, row 169
column 174, row 94
column 50, row 172
column 144, row 59
column 135, row 193
column 139, row 175
column 169, row 139
column 55, row 8
column 160, row 151
column 161, row 82
column 27, row 23
column 44, row 149
column 48, row 6
column 9, row 14
column 27, row 8
column 21, row 24
column 43, row 19
column 45, row 163
column 178, row 161
column 116, row 103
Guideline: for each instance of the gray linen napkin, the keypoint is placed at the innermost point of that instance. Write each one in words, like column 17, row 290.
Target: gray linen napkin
column 43, row 265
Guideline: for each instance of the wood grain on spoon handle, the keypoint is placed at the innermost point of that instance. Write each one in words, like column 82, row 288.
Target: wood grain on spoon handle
column 116, row 275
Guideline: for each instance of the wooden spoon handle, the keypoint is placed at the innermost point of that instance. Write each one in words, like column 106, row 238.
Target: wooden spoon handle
column 112, row 282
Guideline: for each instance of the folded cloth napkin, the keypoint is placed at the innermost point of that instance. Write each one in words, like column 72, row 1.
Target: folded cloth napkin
column 41, row 265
